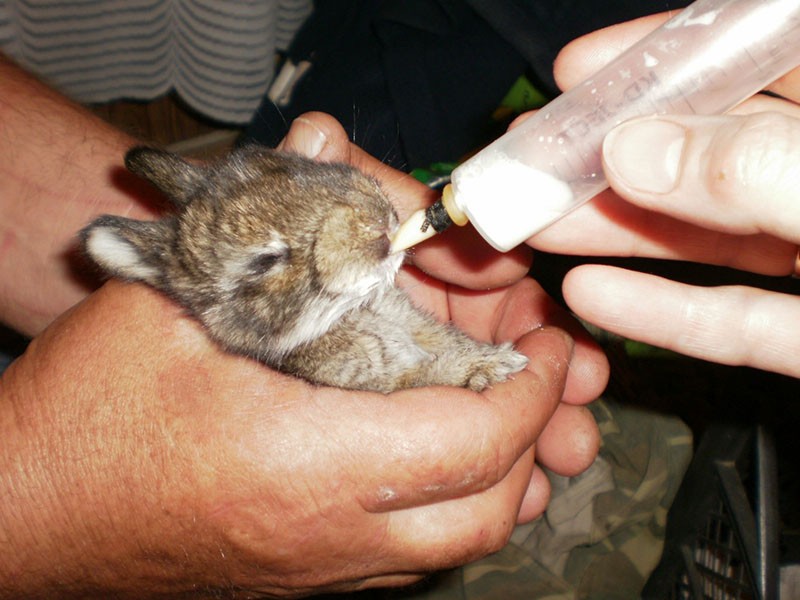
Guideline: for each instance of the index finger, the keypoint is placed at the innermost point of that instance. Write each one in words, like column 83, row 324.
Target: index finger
column 788, row 86
column 732, row 325
column 587, row 54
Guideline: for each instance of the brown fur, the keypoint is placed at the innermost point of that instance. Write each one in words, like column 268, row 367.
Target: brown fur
column 286, row 260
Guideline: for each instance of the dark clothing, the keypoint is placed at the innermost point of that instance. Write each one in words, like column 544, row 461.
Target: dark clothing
column 415, row 81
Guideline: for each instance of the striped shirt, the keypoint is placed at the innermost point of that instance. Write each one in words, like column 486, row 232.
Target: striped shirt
column 218, row 55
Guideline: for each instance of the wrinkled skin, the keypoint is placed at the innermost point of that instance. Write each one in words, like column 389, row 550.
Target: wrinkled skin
column 139, row 460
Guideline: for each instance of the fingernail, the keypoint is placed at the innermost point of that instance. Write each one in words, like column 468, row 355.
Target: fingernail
column 645, row 154
column 305, row 138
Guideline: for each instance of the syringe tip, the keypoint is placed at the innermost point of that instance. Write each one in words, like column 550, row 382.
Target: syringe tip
column 427, row 222
column 414, row 230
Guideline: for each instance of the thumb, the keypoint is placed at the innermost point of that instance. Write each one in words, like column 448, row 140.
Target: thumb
column 319, row 136
column 735, row 174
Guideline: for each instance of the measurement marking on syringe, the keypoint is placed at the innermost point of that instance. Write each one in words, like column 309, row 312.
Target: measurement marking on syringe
column 600, row 114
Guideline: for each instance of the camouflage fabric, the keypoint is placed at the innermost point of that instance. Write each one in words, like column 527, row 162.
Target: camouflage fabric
column 603, row 531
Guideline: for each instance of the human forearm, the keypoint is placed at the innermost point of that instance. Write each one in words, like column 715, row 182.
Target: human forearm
column 59, row 167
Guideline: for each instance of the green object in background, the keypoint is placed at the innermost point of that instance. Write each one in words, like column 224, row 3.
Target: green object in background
column 632, row 348
column 436, row 175
column 523, row 96
column 641, row 350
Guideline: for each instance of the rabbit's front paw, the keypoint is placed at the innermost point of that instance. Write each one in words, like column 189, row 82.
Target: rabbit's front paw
column 497, row 365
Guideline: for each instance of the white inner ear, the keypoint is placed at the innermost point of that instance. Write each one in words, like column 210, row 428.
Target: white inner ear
column 117, row 254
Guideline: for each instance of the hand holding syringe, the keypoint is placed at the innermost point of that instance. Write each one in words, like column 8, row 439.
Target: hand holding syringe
column 706, row 60
column 727, row 198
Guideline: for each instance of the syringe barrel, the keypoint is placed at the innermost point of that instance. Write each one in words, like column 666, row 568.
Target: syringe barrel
column 707, row 59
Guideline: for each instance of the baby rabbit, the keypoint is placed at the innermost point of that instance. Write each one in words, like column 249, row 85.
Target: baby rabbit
column 286, row 260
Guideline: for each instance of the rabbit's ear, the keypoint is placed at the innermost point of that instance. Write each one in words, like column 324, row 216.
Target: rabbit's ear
column 130, row 249
column 169, row 172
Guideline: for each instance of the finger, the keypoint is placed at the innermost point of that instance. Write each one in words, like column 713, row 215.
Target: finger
column 429, row 460
column 507, row 314
column 610, row 226
column 537, row 497
column 348, row 586
column 526, row 306
column 454, row 532
column 586, row 55
column 764, row 103
column 735, row 174
column 320, row 136
column 461, row 256
column 425, row 291
column 317, row 135
column 788, row 86
column 349, row 580
column 730, row 325
column 484, row 520
column 570, row 442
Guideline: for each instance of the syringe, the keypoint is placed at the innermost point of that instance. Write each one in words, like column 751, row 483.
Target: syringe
column 706, row 60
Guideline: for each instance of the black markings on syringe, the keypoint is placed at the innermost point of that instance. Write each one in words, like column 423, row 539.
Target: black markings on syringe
column 436, row 216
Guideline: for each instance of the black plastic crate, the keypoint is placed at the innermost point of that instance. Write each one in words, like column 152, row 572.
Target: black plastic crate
column 722, row 529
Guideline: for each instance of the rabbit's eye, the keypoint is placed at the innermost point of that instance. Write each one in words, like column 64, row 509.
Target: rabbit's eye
column 268, row 260
column 264, row 259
